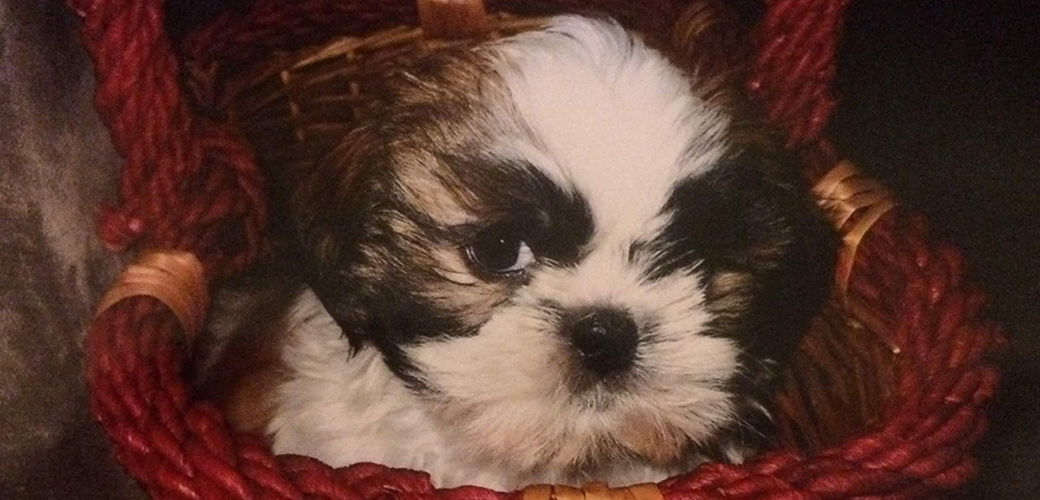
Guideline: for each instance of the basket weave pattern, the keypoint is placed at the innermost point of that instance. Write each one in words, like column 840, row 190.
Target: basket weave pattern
column 190, row 183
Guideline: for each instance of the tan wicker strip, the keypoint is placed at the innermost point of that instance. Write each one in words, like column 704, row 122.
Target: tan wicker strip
column 592, row 491
column 175, row 278
column 853, row 202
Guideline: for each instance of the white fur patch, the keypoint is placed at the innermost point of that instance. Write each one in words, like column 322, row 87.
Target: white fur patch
column 345, row 409
column 608, row 116
column 504, row 395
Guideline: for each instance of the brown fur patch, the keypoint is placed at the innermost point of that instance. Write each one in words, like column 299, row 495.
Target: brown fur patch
column 651, row 439
column 244, row 380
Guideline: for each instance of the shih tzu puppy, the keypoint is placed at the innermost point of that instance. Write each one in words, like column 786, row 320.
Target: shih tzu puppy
column 556, row 257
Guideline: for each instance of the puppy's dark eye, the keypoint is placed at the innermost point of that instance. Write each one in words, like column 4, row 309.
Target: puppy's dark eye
column 500, row 250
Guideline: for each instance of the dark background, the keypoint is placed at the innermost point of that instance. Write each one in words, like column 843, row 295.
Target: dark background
column 941, row 99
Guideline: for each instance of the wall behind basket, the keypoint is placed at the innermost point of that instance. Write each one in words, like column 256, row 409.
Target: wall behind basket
column 56, row 164
column 941, row 99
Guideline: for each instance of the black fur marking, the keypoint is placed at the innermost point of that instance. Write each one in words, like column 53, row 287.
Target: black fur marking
column 554, row 221
column 766, row 258
column 386, row 309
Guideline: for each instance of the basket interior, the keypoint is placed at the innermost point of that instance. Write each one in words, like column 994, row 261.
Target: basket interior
column 293, row 106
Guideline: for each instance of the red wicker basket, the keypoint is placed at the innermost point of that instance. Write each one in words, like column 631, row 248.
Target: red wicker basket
column 885, row 399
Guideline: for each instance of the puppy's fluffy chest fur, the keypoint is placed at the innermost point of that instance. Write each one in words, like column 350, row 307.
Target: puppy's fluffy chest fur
column 558, row 257
column 344, row 407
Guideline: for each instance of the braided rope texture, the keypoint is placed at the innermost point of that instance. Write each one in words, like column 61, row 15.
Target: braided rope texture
column 188, row 183
column 191, row 184
column 794, row 65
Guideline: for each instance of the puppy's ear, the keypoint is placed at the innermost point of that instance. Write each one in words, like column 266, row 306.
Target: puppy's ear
column 327, row 207
column 708, row 41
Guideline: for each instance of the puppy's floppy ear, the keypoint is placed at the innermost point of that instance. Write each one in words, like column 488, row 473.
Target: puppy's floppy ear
column 708, row 41
column 327, row 207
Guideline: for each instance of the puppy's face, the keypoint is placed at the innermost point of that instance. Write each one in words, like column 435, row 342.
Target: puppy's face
column 561, row 243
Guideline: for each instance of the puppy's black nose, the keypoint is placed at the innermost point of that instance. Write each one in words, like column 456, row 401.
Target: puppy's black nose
column 605, row 340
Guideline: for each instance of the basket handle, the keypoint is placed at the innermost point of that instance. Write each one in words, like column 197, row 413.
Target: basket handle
column 454, row 19
column 187, row 182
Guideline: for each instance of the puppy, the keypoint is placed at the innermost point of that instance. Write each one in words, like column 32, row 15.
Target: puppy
column 557, row 257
